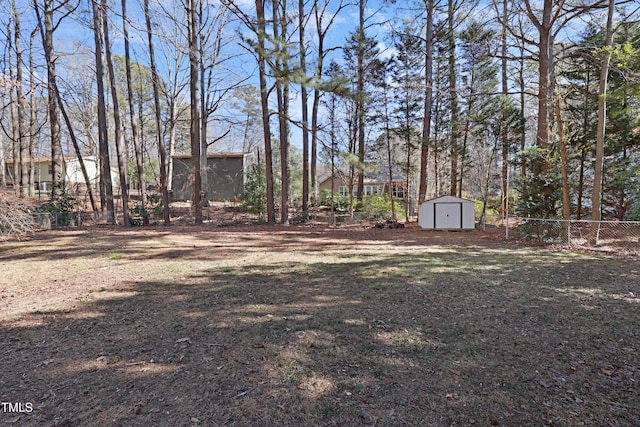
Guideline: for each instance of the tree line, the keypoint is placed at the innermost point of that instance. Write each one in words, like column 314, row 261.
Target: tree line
column 529, row 107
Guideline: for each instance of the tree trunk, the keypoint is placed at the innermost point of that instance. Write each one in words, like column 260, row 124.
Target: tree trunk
column 32, row 116
column 195, row 110
column 23, row 147
column 264, row 101
column 121, row 147
column 13, row 106
column 55, row 92
column 54, row 113
column 566, row 207
column 360, row 100
column 596, row 214
column 504, row 132
column 305, row 113
column 428, row 101
column 106, row 188
column 137, row 144
column 155, row 80
column 282, row 91
column 203, row 106
column 453, row 96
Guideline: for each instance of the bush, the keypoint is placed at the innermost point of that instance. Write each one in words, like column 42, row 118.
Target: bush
column 140, row 214
column 62, row 205
column 378, row 207
column 254, row 198
column 634, row 213
column 340, row 202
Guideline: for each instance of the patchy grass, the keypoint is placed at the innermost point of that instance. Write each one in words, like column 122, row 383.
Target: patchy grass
column 303, row 326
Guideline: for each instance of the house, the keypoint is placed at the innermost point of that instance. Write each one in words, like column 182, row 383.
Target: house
column 372, row 185
column 227, row 174
column 72, row 172
column 447, row 213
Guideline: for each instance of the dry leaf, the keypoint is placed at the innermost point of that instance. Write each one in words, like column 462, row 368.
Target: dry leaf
column 607, row 372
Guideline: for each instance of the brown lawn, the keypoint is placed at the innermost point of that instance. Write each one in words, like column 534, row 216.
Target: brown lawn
column 261, row 326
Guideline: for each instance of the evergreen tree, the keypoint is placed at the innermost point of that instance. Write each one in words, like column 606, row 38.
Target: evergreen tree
column 407, row 76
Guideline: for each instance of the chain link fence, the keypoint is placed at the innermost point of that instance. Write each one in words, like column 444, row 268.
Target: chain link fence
column 617, row 235
column 57, row 220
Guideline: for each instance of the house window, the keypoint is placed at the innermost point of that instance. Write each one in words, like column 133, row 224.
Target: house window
column 50, row 169
column 373, row 189
column 343, row 190
column 398, row 190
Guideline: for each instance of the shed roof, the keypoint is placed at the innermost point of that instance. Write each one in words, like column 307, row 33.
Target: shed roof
column 448, row 199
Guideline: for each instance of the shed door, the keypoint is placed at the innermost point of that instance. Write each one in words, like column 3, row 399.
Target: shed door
column 448, row 215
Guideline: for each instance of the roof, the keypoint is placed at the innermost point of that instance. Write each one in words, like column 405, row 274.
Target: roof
column 367, row 180
column 48, row 159
column 448, row 199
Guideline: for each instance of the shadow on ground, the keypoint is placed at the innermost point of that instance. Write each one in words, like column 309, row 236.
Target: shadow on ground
column 473, row 333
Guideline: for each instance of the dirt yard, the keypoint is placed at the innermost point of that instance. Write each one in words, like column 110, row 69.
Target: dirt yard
column 306, row 326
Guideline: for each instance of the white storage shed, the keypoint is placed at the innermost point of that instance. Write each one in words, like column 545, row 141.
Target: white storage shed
column 447, row 213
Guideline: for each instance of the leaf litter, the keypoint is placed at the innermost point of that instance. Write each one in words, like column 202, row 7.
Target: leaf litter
column 315, row 326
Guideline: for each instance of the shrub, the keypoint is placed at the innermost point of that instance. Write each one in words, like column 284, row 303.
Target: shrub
column 254, row 198
column 340, row 202
column 61, row 205
column 378, row 207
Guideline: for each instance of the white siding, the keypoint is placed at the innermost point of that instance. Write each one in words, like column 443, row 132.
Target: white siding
column 447, row 213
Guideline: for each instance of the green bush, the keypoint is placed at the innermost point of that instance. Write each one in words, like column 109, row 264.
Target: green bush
column 140, row 213
column 254, row 198
column 340, row 202
column 378, row 207
column 62, row 205
column 634, row 213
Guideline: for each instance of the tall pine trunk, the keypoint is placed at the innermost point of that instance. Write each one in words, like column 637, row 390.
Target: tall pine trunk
column 52, row 102
column 195, row 110
column 504, row 134
column 137, row 143
column 106, row 187
column 453, row 98
column 23, row 146
column 155, row 80
column 305, row 113
column 264, row 102
column 121, row 147
column 282, row 92
column 428, row 103
column 360, row 99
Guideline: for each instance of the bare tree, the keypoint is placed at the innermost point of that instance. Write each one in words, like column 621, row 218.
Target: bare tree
column 25, row 183
column 137, row 141
column 54, row 112
column 283, row 75
column 320, row 13
column 194, row 69
column 121, row 147
column 106, row 187
column 305, row 109
column 155, row 79
column 55, row 92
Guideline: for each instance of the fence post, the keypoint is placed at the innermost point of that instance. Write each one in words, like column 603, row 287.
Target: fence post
column 569, row 232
